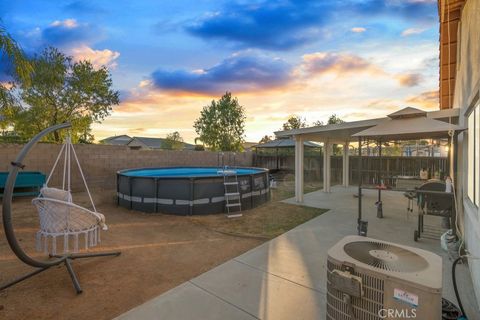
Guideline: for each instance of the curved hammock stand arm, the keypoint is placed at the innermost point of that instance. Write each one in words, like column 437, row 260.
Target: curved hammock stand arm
column 41, row 265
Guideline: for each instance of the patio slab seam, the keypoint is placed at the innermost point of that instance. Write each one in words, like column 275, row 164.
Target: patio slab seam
column 222, row 299
column 278, row 276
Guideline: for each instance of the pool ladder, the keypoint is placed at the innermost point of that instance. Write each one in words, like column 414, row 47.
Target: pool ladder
column 233, row 198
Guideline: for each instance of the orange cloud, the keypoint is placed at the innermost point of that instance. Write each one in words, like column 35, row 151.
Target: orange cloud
column 409, row 79
column 339, row 63
column 358, row 29
column 428, row 99
column 67, row 23
column 98, row 58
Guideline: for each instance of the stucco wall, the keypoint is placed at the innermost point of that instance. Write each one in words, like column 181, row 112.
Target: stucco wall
column 466, row 90
column 101, row 162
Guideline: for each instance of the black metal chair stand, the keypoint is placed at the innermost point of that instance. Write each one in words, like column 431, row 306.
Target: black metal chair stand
column 67, row 261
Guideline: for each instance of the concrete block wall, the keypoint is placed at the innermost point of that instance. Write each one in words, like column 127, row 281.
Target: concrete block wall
column 101, row 162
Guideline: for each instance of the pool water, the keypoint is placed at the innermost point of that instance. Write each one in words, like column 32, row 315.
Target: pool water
column 187, row 172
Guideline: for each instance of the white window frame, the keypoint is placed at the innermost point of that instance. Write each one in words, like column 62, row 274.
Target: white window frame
column 473, row 155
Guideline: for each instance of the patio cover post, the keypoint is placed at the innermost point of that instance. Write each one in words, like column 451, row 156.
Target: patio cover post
column 276, row 158
column 326, row 166
column 359, row 180
column 380, row 183
column 346, row 164
column 329, row 164
column 299, row 169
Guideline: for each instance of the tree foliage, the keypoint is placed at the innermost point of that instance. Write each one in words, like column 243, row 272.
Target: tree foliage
column 9, row 49
column 265, row 139
column 64, row 91
column 294, row 122
column 174, row 141
column 18, row 67
column 221, row 125
column 334, row 119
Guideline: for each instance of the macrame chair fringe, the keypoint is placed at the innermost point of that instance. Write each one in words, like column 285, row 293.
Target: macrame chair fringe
column 47, row 243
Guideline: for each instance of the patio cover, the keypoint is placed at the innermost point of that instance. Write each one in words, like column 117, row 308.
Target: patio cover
column 409, row 124
column 285, row 143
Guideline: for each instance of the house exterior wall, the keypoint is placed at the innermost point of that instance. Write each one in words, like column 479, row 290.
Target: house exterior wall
column 101, row 162
column 466, row 95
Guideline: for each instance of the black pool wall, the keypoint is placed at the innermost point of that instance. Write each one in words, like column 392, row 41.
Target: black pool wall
column 188, row 196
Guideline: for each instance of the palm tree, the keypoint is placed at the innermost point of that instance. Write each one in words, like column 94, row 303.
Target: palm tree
column 11, row 52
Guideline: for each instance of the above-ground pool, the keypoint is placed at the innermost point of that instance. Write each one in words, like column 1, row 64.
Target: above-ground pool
column 188, row 190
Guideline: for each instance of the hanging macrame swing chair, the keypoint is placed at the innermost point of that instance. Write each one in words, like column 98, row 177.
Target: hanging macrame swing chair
column 60, row 217
column 61, row 220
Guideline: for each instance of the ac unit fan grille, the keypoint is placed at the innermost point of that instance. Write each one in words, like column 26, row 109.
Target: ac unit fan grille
column 365, row 308
column 385, row 256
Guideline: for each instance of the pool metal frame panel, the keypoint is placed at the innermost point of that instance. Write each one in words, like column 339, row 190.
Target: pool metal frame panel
column 211, row 199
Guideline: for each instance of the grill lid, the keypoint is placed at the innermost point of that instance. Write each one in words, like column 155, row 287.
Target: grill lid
column 385, row 256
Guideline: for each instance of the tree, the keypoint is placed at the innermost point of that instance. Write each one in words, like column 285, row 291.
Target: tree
column 18, row 67
column 334, row 119
column 64, row 91
column 294, row 122
column 265, row 139
column 221, row 125
column 174, row 141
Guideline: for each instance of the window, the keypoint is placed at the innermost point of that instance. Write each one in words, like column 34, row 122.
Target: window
column 477, row 155
column 473, row 167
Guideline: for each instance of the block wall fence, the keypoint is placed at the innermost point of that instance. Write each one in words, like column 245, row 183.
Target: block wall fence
column 101, row 162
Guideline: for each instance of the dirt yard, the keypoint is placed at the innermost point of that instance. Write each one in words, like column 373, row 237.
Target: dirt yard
column 159, row 252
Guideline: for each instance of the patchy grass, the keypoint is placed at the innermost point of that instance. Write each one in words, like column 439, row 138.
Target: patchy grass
column 267, row 221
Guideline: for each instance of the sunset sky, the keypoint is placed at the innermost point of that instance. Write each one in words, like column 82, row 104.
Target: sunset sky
column 355, row 58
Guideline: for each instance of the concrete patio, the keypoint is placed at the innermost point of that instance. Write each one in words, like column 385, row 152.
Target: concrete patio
column 285, row 278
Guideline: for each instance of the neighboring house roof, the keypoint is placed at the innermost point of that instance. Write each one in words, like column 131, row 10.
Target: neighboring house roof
column 154, row 143
column 285, row 143
column 157, row 143
column 249, row 145
column 121, row 140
